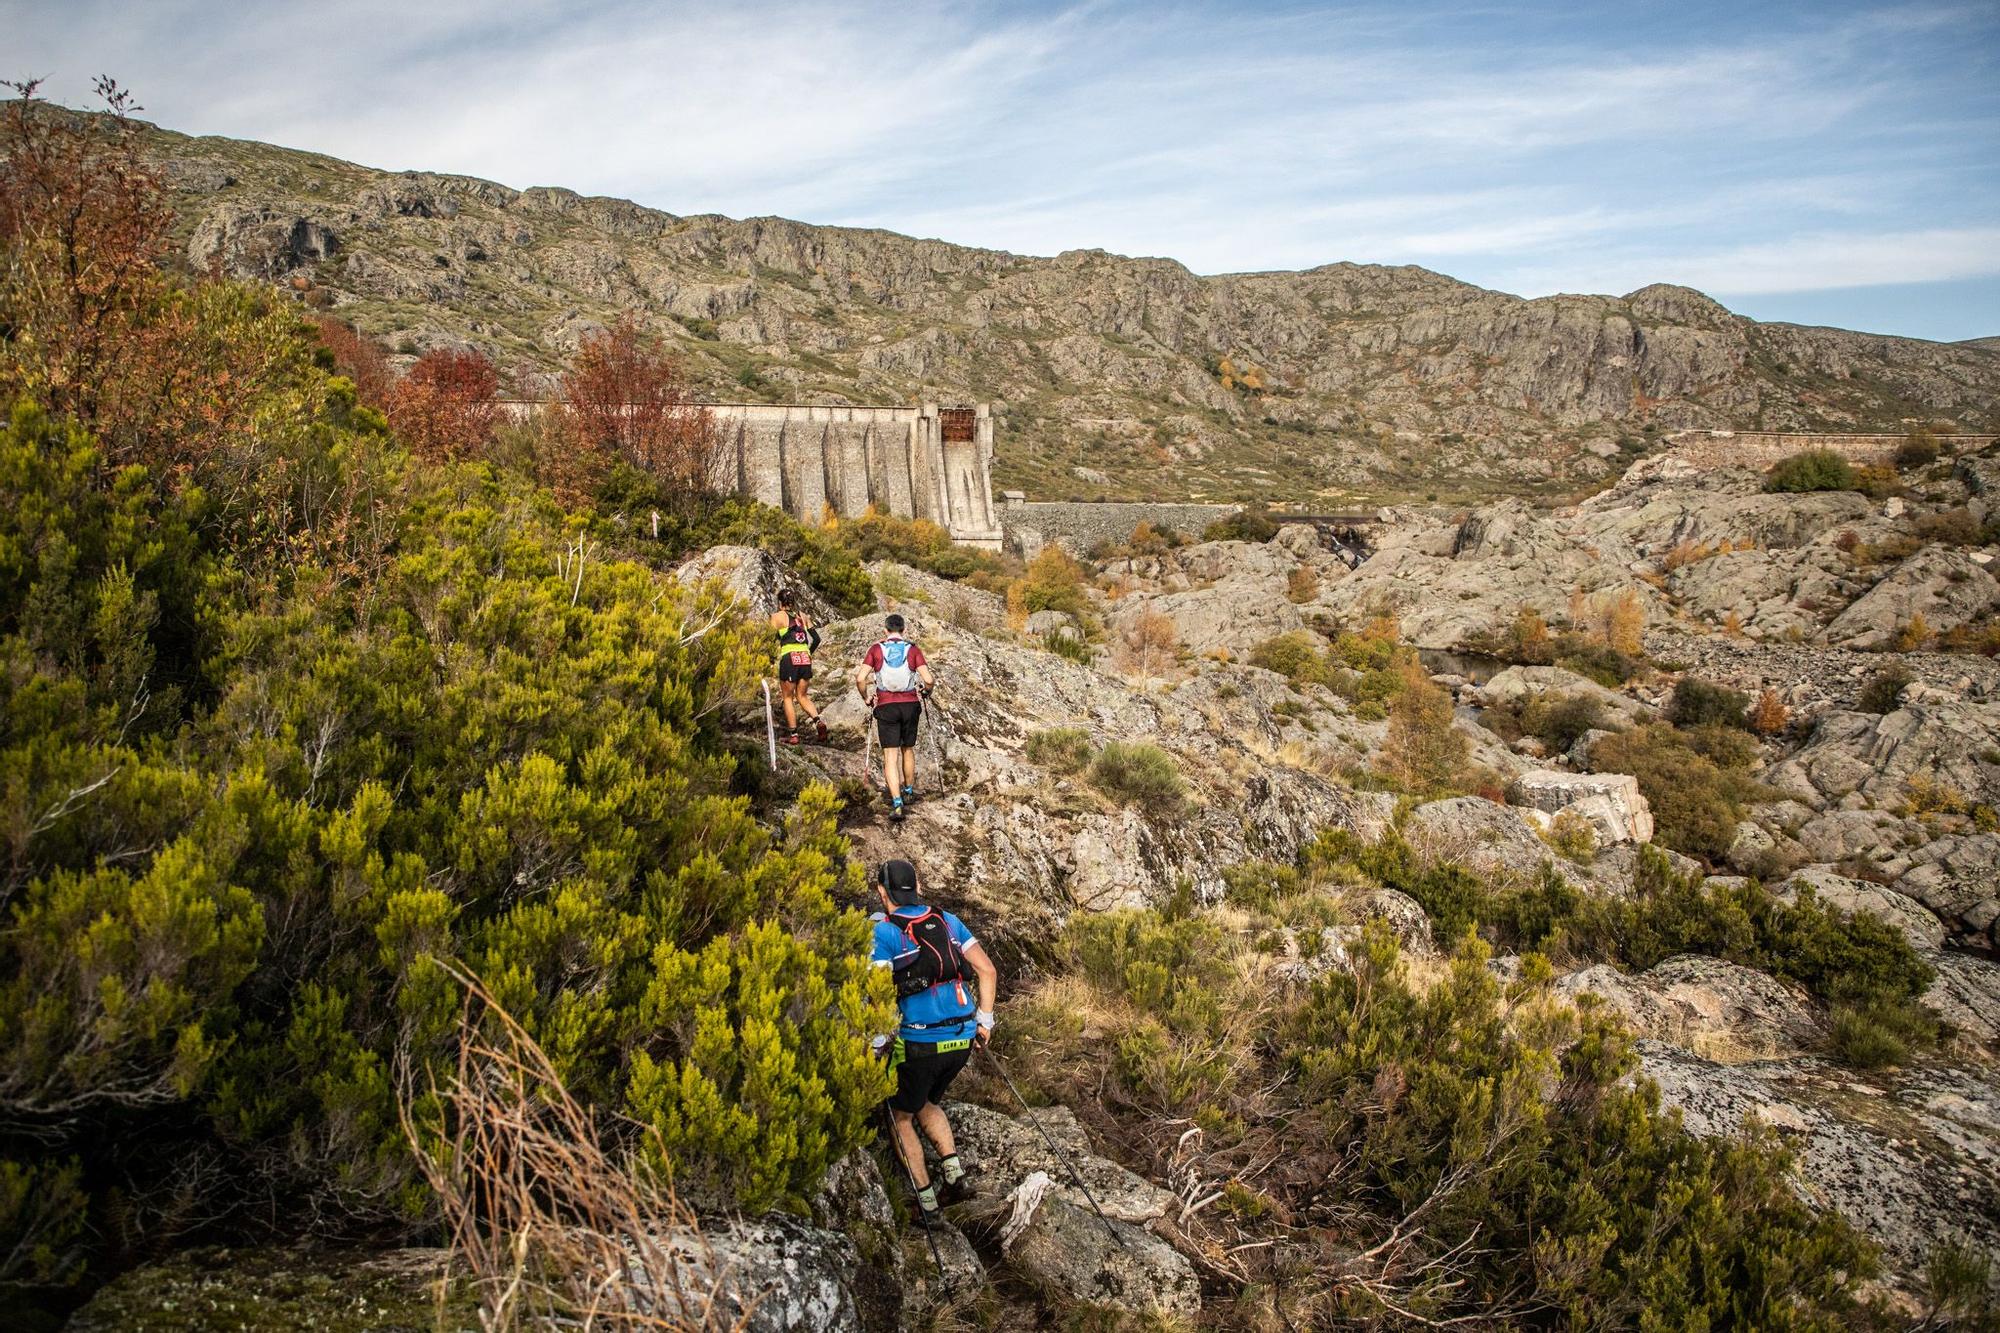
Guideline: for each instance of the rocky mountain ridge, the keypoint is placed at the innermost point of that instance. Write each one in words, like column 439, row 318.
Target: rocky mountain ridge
column 1106, row 371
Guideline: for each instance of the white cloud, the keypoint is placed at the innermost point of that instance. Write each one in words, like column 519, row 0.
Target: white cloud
column 1799, row 264
column 1226, row 139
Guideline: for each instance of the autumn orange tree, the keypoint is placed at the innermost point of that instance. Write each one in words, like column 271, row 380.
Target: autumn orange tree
column 444, row 406
column 83, row 227
column 94, row 324
column 623, row 397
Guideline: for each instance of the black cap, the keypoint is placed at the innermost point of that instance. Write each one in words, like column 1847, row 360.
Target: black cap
column 899, row 878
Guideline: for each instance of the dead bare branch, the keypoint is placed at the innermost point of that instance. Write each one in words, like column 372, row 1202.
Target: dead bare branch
column 548, row 1226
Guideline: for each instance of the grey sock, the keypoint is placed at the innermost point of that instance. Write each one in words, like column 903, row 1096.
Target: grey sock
column 954, row 1170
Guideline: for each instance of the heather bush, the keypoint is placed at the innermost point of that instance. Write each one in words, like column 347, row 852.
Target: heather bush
column 1253, row 523
column 1698, row 703
column 1510, row 1123
column 1884, row 691
column 1696, row 801
column 1061, row 749
column 1812, row 470
column 1560, row 721
column 1138, row 774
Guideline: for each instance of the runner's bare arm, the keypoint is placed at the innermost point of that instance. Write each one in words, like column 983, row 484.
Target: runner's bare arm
column 989, row 984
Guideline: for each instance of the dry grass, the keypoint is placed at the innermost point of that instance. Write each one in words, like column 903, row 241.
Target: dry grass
column 549, row 1228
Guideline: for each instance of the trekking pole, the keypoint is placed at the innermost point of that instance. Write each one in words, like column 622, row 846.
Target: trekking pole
column 867, row 746
column 909, row 1174
column 770, row 727
column 1060, row 1156
column 930, row 704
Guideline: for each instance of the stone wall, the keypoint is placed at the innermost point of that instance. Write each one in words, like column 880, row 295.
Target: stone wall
column 1759, row 450
column 1078, row 525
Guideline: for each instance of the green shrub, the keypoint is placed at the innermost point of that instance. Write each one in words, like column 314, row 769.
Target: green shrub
column 1071, row 647
column 1406, row 1086
column 1884, row 691
column 1560, row 721
column 1698, row 703
column 1061, row 749
column 1872, row 1035
column 828, row 567
column 1299, row 656
column 1453, row 897
column 1596, row 660
column 1853, row 960
column 814, row 555
column 917, row 542
column 1958, row 1286
column 309, row 759
column 1573, row 836
column 1696, row 802
column 1261, row 884
column 1724, row 746
column 1134, row 773
column 1919, row 449
column 1145, row 956
column 1812, row 470
column 1252, row 523
column 1515, row 1121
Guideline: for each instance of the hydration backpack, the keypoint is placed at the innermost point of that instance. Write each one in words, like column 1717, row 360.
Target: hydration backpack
column 897, row 676
column 937, row 960
column 797, row 633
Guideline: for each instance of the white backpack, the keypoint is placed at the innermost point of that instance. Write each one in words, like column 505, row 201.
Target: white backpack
column 896, row 676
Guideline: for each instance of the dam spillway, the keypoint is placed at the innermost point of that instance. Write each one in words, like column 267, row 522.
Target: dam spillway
column 923, row 461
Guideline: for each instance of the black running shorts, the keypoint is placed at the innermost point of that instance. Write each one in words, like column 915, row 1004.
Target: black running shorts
column 922, row 1079
column 786, row 671
column 896, row 725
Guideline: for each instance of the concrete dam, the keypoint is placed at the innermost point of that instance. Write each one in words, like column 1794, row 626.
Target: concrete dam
column 913, row 462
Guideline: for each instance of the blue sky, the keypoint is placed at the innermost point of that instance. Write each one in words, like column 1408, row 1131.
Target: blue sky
column 1828, row 163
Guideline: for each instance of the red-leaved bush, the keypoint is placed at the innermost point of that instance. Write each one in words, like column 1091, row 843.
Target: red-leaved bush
column 623, row 397
column 444, row 406
column 360, row 358
column 96, row 329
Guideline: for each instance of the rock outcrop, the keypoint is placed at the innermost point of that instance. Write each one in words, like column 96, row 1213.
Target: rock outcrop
column 1076, row 1256
column 1708, row 1007
column 1074, row 1249
column 259, row 1290
column 1610, row 801
column 1912, row 1159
